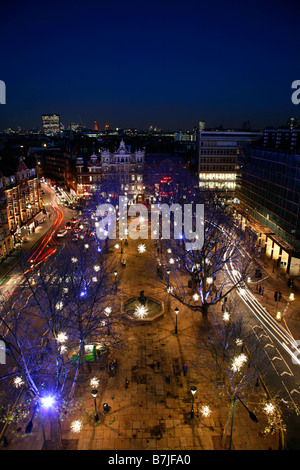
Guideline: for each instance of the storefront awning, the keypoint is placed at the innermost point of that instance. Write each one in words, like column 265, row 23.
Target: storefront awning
column 284, row 245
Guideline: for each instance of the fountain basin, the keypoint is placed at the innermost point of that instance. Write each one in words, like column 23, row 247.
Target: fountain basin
column 155, row 309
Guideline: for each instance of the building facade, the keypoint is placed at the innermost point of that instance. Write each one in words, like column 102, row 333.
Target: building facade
column 121, row 169
column 23, row 205
column 218, row 152
column 268, row 198
column 6, row 237
column 286, row 140
column 51, row 124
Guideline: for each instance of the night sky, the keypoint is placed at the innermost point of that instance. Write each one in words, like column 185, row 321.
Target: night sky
column 162, row 63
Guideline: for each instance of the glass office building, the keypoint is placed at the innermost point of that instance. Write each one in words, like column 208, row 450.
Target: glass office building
column 268, row 191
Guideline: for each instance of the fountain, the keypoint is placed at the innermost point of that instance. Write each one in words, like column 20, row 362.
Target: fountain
column 143, row 308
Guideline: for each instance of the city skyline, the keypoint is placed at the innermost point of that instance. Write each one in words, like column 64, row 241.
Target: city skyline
column 163, row 64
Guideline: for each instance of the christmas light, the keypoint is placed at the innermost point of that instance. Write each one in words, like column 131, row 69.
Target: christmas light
column 76, row 426
column 62, row 337
column 205, row 411
column 141, row 311
column 142, row 248
column 238, row 362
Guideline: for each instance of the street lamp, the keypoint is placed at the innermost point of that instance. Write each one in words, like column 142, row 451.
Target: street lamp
column 116, row 273
column 107, row 312
column 176, row 312
column 94, row 394
column 251, row 416
column 193, row 391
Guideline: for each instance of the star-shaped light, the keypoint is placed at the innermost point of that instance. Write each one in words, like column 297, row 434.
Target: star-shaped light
column 238, row 362
column 142, row 248
column 141, row 311
column 62, row 337
column 18, row 382
column 205, row 410
column 76, row 426
column 94, row 382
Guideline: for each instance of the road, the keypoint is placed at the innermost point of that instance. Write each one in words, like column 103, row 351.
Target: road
column 44, row 247
column 282, row 350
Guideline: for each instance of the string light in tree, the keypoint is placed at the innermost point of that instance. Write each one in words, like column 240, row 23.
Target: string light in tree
column 238, row 362
column 18, row 382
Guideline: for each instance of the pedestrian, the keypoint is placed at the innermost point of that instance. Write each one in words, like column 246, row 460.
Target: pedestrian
column 259, row 290
column 279, row 296
column 262, row 290
column 184, row 369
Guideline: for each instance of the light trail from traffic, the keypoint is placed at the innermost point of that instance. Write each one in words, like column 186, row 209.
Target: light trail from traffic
column 39, row 255
column 282, row 337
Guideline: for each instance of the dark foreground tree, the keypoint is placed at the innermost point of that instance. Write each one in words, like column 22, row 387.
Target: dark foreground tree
column 204, row 276
column 62, row 306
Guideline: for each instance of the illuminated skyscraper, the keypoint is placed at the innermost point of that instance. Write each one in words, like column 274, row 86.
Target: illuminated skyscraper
column 51, row 123
column 217, row 158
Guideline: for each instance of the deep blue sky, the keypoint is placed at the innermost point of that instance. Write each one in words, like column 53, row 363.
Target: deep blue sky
column 135, row 64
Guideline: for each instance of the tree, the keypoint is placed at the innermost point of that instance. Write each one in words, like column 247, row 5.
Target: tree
column 55, row 313
column 231, row 357
column 203, row 277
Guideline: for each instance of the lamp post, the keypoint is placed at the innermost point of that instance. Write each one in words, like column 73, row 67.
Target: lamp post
column 116, row 281
column 251, row 416
column 176, row 312
column 95, row 393
column 107, row 312
column 193, row 391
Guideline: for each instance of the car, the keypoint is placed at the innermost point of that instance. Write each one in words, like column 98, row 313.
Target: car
column 62, row 233
column 68, row 226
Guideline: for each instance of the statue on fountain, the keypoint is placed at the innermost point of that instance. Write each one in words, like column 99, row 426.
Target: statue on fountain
column 142, row 299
